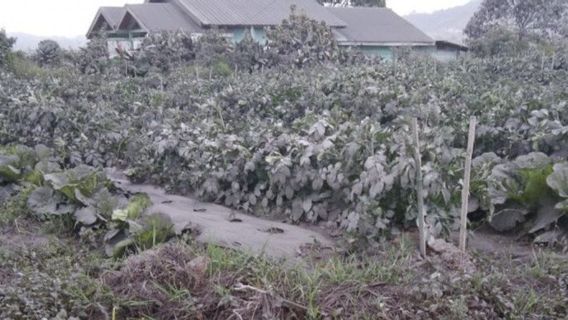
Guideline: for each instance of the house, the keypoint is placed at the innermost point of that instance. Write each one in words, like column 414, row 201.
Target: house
column 448, row 51
column 375, row 31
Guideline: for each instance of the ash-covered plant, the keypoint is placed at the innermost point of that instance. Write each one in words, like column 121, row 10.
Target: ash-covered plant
column 6, row 44
column 48, row 53
column 94, row 58
column 300, row 41
column 161, row 52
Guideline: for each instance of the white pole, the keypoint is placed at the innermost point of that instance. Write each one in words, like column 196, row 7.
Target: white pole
column 419, row 187
column 466, row 182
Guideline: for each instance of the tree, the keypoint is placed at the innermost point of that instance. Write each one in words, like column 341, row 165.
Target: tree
column 48, row 53
column 541, row 17
column 300, row 41
column 354, row 3
column 94, row 58
column 6, row 44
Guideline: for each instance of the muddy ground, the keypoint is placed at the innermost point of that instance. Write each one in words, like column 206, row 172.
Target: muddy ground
column 49, row 273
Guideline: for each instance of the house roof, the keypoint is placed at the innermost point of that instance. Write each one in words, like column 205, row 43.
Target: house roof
column 158, row 17
column 351, row 26
column 371, row 26
column 111, row 15
column 255, row 12
column 451, row 45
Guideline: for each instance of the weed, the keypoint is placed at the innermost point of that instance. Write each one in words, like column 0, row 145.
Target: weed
column 15, row 207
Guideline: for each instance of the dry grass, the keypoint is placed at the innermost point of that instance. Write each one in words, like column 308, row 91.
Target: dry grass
column 181, row 280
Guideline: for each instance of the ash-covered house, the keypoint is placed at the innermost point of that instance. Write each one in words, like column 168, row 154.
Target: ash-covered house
column 375, row 31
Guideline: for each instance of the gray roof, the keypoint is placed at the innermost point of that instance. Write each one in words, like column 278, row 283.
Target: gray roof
column 113, row 15
column 368, row 26
column 255, row 12
column 158, row 17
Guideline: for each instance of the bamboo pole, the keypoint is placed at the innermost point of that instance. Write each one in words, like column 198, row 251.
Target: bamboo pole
column 466, row 182
column 419, row 187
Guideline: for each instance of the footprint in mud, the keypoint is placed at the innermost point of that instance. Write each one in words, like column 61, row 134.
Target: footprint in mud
column 273, row 230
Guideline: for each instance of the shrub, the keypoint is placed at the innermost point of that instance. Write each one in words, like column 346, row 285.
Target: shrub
column 48, row 53
column 6, row 44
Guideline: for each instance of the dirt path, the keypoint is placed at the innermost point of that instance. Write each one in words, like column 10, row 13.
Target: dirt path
column 226, row 227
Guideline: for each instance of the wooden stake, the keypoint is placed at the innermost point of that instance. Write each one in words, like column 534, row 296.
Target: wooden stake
column 466, row 180
column 419, row 187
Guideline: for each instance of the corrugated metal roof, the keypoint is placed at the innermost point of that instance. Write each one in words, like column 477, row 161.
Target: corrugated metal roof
column 255, row 12
column 113, row 15
column 377, row 26
column 158, row 17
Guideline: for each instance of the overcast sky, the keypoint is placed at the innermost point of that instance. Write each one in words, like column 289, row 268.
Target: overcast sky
column 72, row 17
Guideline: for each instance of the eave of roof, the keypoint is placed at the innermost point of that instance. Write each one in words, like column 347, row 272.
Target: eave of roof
column 445, row 43
column 158, row 17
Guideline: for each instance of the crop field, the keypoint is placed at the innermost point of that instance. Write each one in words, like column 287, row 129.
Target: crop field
column 318, row 138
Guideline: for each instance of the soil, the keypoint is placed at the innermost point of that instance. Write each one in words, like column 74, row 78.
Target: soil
column 485, row 240
column 226, row 227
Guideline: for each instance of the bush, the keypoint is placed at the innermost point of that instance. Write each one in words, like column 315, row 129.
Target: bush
column 301, row 41
column 6, row 44
column 499, row 42
column 48, row 53
column 23, row 67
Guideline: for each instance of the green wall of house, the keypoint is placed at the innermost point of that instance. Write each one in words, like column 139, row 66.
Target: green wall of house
column 387, row 53
column 133, row 40
column 377, row 51
column 447, row 54
column 258, row 34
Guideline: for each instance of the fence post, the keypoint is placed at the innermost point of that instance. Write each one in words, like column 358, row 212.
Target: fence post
column 466, row 182
column 419, row 187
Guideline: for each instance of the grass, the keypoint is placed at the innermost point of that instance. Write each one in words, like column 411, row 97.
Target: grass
column 183, row 279
column 14, row 208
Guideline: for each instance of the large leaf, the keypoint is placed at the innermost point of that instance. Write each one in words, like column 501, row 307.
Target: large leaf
column 9, row 168
column 44, row 201
column 47, row 167
column 551, row 237
column 558, row 180
column 81, row 181
column 508, row 219
column 134, row 209
column 6, row 192
column 86, row 216
column 533, row 160
column 61, row 182
column 523, row 181
column 546, row 216
column 155, row 228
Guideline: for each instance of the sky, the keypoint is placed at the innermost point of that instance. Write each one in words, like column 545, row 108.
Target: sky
column 71, row 18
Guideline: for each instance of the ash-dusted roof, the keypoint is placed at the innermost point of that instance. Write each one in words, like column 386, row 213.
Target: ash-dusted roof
column 371, row 26
column 158, row 17
column 255, row 12
column 112, row 16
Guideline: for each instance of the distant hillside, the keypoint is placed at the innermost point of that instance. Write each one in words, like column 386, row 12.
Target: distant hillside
column 446, row 24
column 28, row 42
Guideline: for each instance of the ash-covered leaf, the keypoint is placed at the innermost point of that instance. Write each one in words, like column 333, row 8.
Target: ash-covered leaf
column 44, row 201
column 86, row 216
column 508, row 219
column 558, row 180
